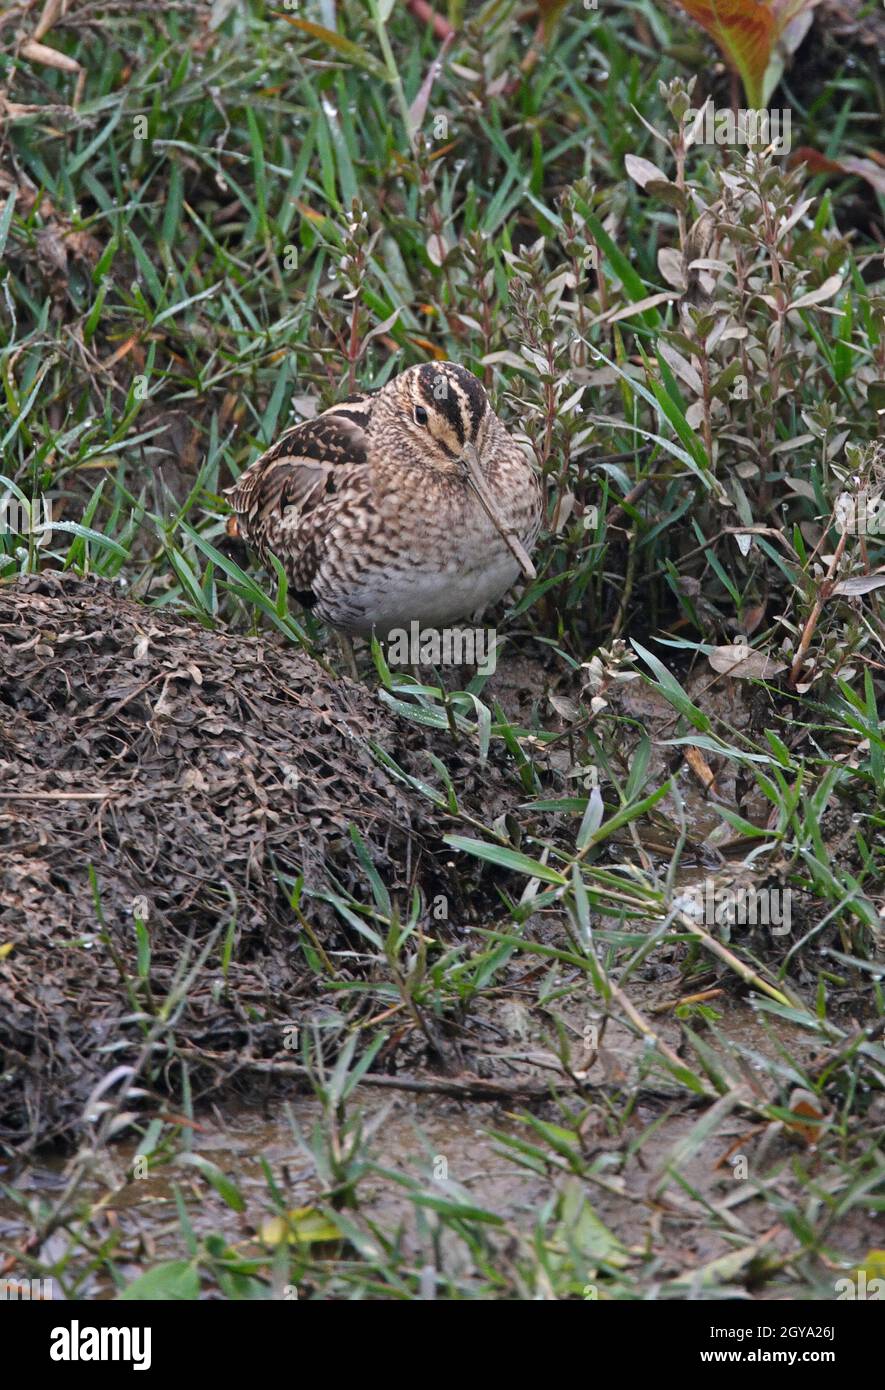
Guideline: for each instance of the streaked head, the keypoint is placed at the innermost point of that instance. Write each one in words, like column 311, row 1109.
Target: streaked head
column 445, row 413
column 441, row 407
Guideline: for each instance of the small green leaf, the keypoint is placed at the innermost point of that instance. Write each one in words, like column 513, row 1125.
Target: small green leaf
column 506, row 858
column 174, row 1281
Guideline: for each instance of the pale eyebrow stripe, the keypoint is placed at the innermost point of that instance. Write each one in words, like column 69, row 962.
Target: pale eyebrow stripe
column 465, row 411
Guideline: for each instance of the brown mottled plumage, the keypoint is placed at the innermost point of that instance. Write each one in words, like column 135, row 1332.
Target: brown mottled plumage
column 407, row 503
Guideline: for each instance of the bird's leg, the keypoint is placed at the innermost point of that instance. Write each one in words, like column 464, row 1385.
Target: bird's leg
column 345, row 646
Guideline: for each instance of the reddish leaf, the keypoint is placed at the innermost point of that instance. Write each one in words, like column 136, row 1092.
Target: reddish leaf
column 819, row 163
column 746, row 31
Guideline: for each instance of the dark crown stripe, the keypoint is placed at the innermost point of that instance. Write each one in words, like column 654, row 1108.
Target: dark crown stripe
column 463, row 401
column 477, row 401
column 438, row 388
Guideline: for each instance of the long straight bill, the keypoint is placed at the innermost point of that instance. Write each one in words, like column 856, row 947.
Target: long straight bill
column 511, row 539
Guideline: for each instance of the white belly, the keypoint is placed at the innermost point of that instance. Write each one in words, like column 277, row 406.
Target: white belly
column 433, row 597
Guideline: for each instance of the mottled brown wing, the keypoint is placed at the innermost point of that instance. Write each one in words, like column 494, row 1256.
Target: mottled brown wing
column 296, row 474
column 291, row 470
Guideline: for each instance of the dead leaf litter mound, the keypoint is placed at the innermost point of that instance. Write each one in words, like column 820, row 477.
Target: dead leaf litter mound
column 153, row 770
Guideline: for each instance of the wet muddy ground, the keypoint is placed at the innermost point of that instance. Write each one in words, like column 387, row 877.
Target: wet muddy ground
column 455, row 1152
column 184, row 817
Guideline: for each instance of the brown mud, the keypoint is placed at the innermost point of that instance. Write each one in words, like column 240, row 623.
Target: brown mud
column 648, row 1185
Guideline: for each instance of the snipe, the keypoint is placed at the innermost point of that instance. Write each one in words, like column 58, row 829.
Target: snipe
column 409, row 503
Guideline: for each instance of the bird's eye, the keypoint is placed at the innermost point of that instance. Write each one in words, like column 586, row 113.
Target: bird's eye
column 420, row 415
